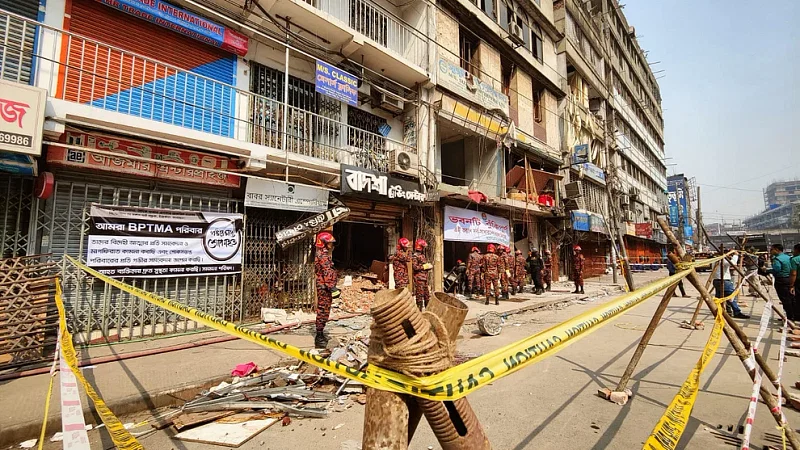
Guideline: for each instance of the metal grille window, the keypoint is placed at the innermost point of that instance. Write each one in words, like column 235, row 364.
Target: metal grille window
column 17, row 40
column 369, row 21
column 368, row 149
column 16, row 201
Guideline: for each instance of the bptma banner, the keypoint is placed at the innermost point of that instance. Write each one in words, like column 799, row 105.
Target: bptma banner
column 464, row 225
column 145, row 243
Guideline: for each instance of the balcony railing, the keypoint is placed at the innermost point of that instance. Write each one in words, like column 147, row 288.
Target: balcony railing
column 82, row 70
column 379, row 25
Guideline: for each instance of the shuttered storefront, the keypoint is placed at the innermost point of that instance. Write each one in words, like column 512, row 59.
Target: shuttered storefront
column 119, row 79
column 17, row 37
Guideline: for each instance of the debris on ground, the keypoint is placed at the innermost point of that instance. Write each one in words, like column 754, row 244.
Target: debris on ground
column 359, row 294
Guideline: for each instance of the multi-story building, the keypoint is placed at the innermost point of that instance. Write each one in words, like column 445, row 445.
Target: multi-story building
column 248, row 112
column 781, row 193
column 613, row 133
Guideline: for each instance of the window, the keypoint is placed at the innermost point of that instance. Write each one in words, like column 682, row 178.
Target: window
column 538, row 112
column 468, row 48
column 536, row 42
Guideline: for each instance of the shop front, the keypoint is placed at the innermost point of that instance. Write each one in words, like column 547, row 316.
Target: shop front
column 382, row 209
column 644, row 250
column 99, row 170
column 590, row 232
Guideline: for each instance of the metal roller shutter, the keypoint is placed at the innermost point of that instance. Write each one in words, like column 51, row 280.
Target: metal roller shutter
column 17, row 38
column 121, row 81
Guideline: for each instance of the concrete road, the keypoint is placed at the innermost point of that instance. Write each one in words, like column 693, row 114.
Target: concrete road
column 553, row 404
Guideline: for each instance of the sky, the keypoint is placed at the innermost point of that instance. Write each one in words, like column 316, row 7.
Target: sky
column 730, row 93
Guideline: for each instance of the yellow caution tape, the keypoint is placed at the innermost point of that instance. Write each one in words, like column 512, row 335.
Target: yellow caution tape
column 670, row 427
column 452, row 384
column 121, row 437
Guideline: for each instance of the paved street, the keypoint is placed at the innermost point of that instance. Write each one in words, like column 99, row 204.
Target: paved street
column 552, row 404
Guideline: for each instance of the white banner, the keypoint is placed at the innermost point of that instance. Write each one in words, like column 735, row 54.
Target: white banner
column 263, row 193
column 143, row 242
column 464, row 225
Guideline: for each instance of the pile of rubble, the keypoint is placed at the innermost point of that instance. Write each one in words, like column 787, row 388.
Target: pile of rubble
column 233, row 412
column 358, row 292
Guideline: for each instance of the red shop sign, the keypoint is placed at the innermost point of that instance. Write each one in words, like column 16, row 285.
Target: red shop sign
column 196, row 172
column 644, row 229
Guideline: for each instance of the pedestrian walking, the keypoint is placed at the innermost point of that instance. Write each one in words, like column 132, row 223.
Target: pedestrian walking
column 492, row 265
column 547, row 272
column 578, row 263
column 474, row 271
column 671, row 269
column 400, row 262
column 781, row 270
column 519, row 272
column 723, row 287
column 794, row 281
column 421, row 268
column 326, row 279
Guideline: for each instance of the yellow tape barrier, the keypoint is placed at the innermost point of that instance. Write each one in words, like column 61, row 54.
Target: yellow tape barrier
column 122, row 438
column 452, row 384
column 670, row 427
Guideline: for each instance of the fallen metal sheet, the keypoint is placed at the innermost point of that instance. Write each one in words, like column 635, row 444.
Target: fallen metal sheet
column 226, row 434
column 187, row 420
column 238, row 406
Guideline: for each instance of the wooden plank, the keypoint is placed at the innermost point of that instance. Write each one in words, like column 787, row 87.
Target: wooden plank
column 225, row 434
column 187, row 420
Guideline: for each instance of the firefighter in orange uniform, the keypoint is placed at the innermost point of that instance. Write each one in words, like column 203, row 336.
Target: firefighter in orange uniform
column 474, row 269
column 421, row 267
column 326, row 285
column 492, row 264
column 400, row 262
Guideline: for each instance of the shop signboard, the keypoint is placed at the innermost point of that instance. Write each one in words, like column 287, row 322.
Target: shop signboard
column 308, row 227
column 630, row 228
column 644, row 229
column 188, row 166
column 580, row 221
column 672, row 195
column 460, row 82
column 464, row 225
column 134, row 242
column 380, row 186
column 336, row 83
column 580, row 161
column 271, row 194
column 21, row 118
column 184, row 22
column 596, row 223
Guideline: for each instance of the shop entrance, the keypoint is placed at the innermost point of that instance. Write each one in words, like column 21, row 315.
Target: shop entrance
column 358, row 244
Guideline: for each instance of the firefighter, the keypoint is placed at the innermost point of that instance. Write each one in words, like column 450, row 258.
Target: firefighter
column 474, row 269
column 326, row 285
column 547, row 273
column 421, row 267
column 492, row 265
column 400, row 262
column 519, row 272
column 578, row 263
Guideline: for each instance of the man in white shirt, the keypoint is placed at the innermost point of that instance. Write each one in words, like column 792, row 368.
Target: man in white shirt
column 724, row 286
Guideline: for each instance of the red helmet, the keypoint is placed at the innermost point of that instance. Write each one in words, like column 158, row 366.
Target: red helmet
column 459, row 262
column 577, row 248
column 490, row 248
column 420, row 244
column 475, row 249
column 324, row 238
column 403, row 242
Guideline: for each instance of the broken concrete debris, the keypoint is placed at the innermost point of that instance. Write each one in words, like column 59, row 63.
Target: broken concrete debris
column 281, row 393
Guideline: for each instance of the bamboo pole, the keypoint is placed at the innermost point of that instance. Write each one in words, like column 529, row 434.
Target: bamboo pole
column 700, row 301
column 738, row 345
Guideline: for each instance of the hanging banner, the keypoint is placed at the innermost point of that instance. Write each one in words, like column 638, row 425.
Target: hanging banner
column 644, row 229
column 144, row 243
column 183, row 22
column 464, row 225
column 263, row 193
column 677, row 200
column 380, row 186
column 307, row 228
column 336, row 83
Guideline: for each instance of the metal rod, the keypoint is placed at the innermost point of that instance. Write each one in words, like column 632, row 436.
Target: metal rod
column 648, row 333
column 738, row 345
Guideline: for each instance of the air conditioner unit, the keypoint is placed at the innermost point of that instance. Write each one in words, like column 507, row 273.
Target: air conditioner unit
column 387, row 101
column 364, row 91
column 515, row 32
column 404, row 162
column 574, row 189
column 629, row 216
column 633, row 191
column 624, row 200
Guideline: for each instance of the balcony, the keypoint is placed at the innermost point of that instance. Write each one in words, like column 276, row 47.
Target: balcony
column 97, row 84
column 366, row 32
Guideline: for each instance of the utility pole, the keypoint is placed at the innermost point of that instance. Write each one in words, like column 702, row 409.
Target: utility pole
column 700, row 238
